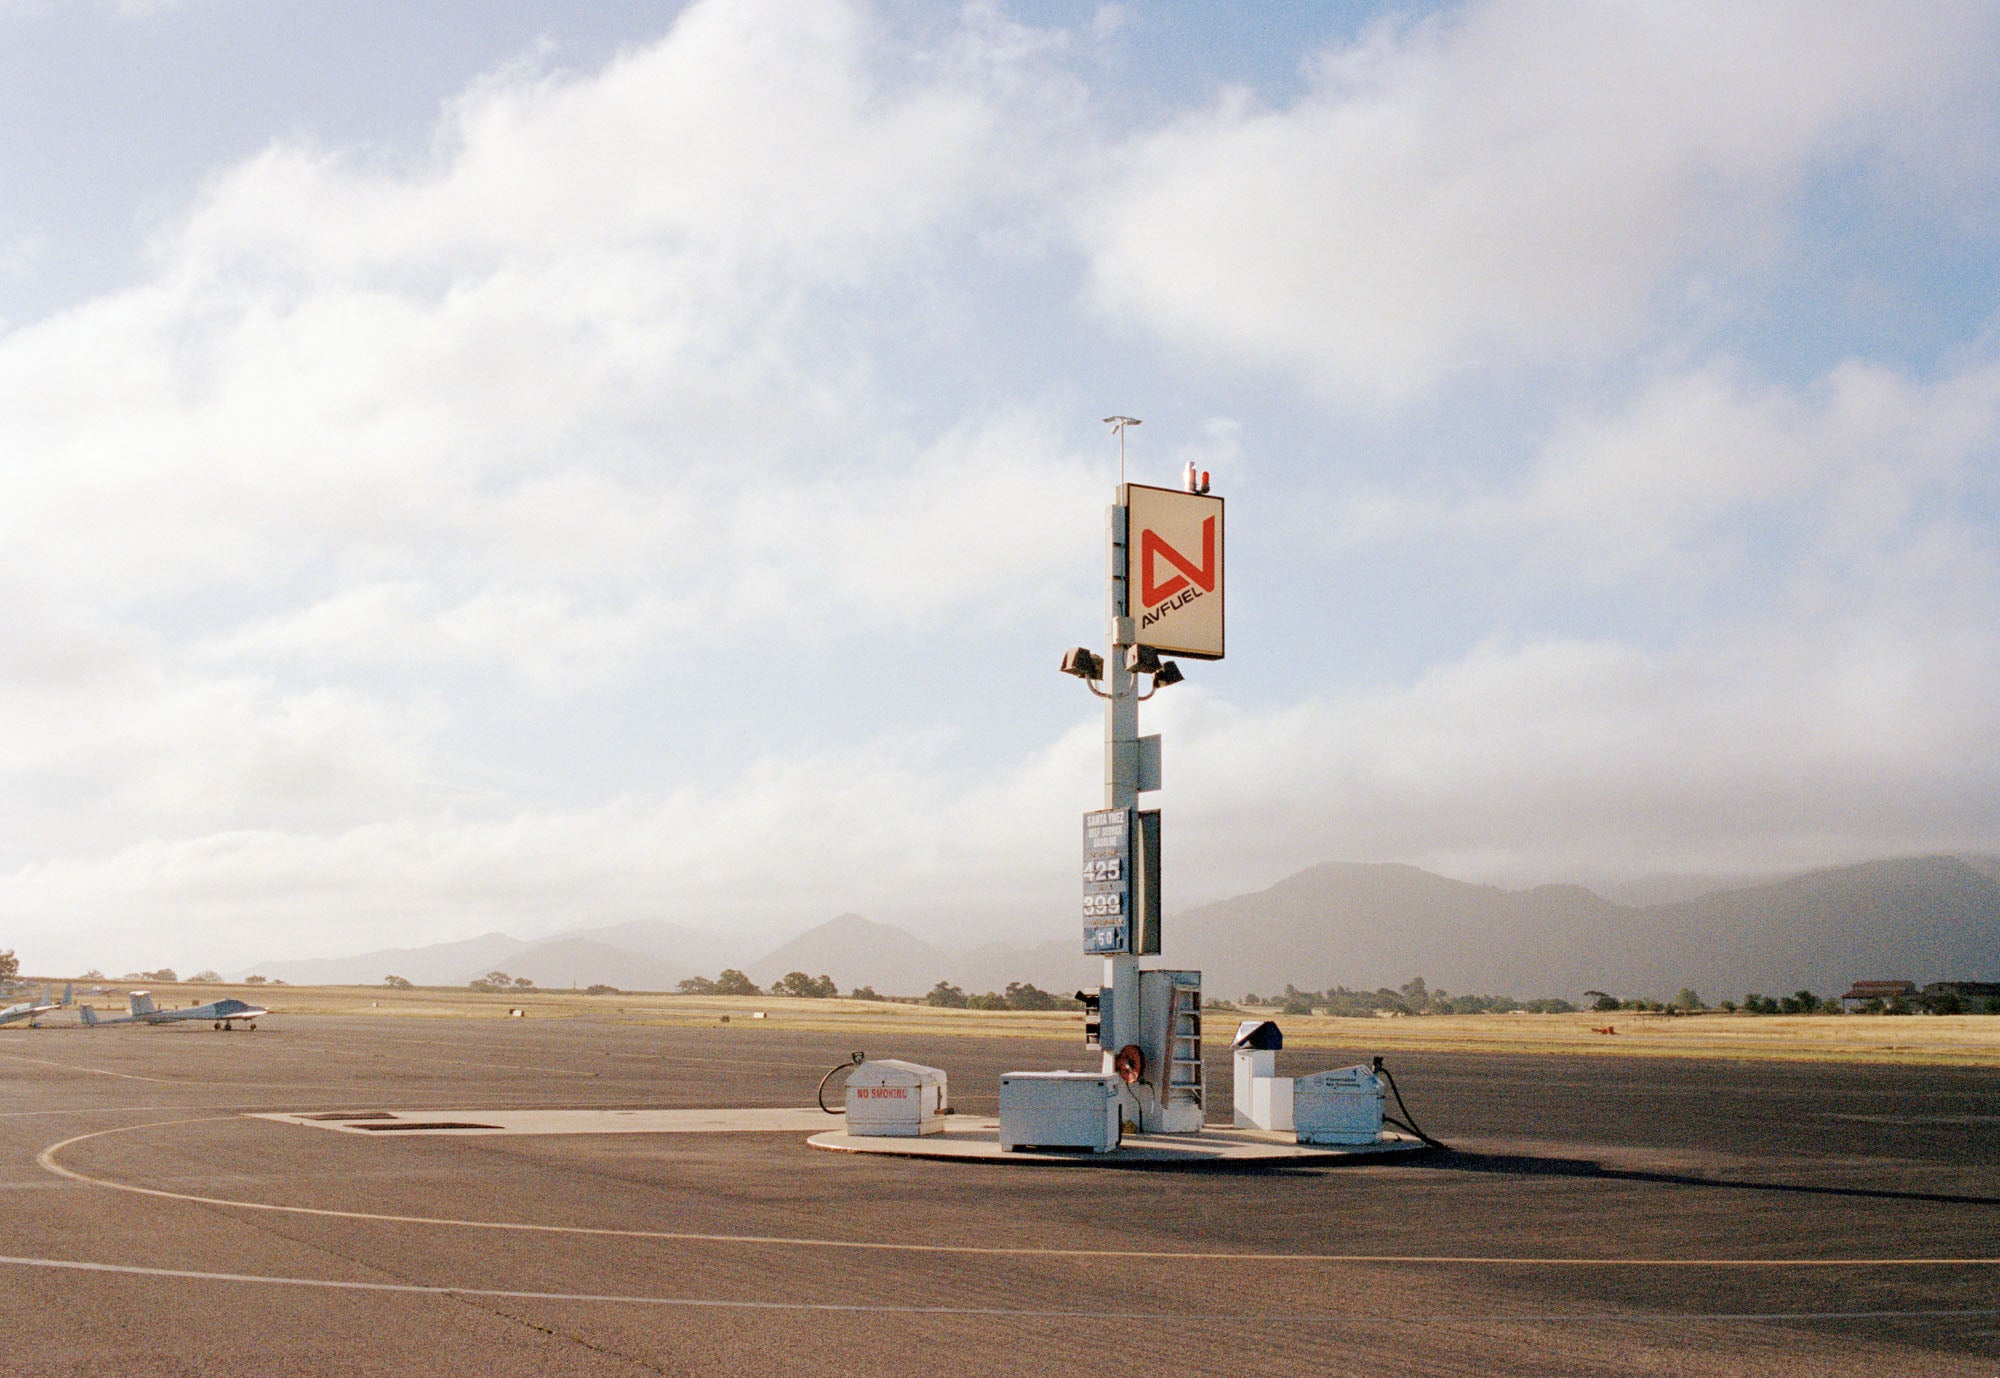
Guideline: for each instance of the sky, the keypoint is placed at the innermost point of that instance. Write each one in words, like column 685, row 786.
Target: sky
column 531, row 466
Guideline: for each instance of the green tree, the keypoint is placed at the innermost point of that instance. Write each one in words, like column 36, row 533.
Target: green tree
column 397, row 983
column 946, row 996
column 863, row 993
column 697, row 985
column 990, row 1000
column 797, row 983
column 207, row 977
column 600, row 989
column 252, row 980
column 1688, row 1000
column 1024, row 995
column 734, row 982
column 10, row 965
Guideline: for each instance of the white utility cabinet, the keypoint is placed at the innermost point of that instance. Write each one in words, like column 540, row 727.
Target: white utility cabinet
column 1059, row 1110
column 1343, row 1106
column 889, row 1098
column 1263, row 1098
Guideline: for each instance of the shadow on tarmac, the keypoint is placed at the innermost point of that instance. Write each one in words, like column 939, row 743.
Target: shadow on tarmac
column 1530, row 1165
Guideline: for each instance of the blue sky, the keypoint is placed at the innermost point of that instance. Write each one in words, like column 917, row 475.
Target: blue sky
column 561, row 465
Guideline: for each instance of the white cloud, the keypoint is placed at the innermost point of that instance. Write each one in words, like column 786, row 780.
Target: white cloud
column 1565, row 759
column 1852, row 488
column 795, row 840
column 384, row 460
column 109, row 735
column 1514, row 183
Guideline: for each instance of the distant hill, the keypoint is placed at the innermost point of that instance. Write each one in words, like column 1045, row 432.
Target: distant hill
column 689, row 950
column 1920, row 919
column 1678, row 888
column 1362, row 926
column 856, row 951
column 1367, row 926
column 440, row 964
column 563, row 963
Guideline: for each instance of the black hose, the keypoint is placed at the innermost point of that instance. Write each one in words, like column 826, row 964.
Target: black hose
column 854, row 1059
column 1408, row 1121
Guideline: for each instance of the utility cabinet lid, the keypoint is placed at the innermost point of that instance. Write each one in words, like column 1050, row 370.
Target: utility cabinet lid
column 1261, row 1035
column 889, row 1071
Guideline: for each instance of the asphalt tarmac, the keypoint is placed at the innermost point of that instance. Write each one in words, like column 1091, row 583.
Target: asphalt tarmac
column 1593, row 1216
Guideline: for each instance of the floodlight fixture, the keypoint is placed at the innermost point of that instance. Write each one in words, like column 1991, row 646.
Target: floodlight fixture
column 1084, row 663
column 1164, row 672
column 1142, row 660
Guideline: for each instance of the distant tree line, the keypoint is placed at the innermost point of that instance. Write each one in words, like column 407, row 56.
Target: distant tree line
column 1019, row 995
column 797, row 984
column 1414, row 997
column 1798, row 1002
column 1933, row 1002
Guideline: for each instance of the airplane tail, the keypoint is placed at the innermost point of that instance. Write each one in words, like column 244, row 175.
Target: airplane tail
column 142, row 1003
column 89, row 1015
column 69, row 988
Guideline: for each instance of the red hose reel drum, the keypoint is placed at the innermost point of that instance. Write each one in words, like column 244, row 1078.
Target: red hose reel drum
column 1129, row 1063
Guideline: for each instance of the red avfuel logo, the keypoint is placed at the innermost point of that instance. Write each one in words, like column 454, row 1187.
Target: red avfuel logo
column 1151, row 548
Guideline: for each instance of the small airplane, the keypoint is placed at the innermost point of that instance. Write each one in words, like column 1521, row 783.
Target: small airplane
column 33, row 1012
column 224, row 1013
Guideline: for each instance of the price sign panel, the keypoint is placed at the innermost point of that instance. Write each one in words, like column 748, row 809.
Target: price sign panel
column 1107, row 881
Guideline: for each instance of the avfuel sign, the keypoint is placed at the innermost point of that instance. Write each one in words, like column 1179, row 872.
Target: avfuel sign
column 1173, row 556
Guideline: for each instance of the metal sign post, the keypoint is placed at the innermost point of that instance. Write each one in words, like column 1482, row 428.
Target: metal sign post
column 1164, row 593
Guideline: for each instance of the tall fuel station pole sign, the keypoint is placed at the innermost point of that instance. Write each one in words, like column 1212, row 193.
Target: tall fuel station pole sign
column 1165, row 598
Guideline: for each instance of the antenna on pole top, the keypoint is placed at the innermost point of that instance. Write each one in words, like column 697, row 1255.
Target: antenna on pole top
column 1118, row 424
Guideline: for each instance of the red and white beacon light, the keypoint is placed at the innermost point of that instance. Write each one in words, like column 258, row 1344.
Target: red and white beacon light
column 1194, row 480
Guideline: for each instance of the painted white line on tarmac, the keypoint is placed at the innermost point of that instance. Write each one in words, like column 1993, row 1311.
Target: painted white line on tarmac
column 1364, row 1318
column 47, row 1159
column 95, row 1071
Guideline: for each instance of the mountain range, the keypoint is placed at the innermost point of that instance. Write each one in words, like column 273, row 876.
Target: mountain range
column 1359, row 925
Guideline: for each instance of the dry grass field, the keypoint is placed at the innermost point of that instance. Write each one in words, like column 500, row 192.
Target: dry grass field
column 1958, row 1040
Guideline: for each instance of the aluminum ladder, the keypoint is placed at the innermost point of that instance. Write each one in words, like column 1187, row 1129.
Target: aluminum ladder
column 1184, row 1078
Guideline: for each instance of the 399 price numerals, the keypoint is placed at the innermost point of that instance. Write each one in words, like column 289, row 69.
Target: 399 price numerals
column 1103, row 906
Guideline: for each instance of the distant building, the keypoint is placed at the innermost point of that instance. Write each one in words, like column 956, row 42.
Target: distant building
column 1967, row 990
column 1864, row 991
column 1907, row 991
